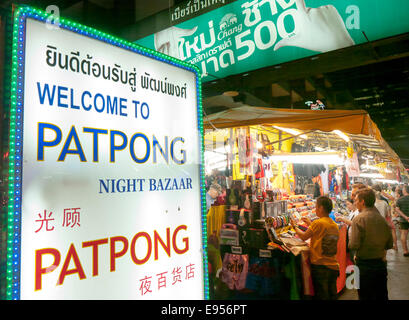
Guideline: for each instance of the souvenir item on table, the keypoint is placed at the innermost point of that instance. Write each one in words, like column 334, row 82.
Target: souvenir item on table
column 249, row 181
column 295, row 245
column 274, row 245
column 302, row 227
column 229, row 235
column 270, row 225
column 247, row 203
column 242, row 217
column 263, row 213
column 242, row 220
column 232, row 198
column 260, row 195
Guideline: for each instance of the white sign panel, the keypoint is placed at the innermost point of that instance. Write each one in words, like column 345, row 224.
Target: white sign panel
column 111, row 188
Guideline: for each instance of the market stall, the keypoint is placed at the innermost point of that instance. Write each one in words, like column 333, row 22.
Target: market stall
column 270, row 165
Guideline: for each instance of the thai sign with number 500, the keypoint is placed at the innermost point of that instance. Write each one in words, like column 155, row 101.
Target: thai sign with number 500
column 247, row 35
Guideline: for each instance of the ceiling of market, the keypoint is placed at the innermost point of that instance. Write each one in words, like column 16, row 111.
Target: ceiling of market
column 373, row 76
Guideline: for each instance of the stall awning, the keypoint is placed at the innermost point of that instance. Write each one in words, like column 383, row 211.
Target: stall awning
column 348, row 121
column 356, row 123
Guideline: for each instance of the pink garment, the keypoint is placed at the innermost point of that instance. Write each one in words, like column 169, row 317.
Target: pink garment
column 234, row 270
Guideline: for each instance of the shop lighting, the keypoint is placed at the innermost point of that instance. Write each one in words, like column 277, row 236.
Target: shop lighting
column 341, row 135
column 13, row 257
column 371, row 175
column 366, row 166
column 321, row 149
column 310, row 158
column 294, row 132
column 388, row 181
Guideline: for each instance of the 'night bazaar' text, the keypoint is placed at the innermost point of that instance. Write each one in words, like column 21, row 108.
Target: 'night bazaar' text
column 138, row 185
column 117, row 247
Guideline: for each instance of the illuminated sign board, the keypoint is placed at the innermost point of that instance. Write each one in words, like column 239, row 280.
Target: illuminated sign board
column 247, row 35
column 106, row 188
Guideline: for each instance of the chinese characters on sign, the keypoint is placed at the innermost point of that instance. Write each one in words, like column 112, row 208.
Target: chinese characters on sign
column 71, row 218
column 177, row 276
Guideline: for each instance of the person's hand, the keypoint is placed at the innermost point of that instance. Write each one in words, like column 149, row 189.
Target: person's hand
column 166, row 41
column 340, row 219
column 293, row 223
column 319, row 29
column 306, row 220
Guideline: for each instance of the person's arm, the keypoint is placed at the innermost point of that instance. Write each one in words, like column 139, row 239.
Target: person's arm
column 345, row 220
column 401, row 213
column 304, row 235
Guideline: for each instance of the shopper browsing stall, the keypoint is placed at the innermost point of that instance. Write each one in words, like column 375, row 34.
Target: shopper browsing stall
column 385, row 210
column 370, row 237
column 324, row 236
column 353, row 213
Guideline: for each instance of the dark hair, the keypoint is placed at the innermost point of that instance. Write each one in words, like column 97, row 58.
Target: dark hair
column 399, row 191
column 406, row 187
column 358, row 185
column 377, row 187
column 368, row 195
column 350, row 200
column 326, row 203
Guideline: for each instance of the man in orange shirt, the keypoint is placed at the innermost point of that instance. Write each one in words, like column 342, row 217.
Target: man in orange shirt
column 324, row 236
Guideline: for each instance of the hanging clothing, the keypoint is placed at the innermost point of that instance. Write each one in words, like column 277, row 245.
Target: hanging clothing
column 234, row 270
column 324, row 180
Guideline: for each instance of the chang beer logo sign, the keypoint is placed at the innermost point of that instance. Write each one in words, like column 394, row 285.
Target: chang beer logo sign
column 247, row 35
column 228, row 20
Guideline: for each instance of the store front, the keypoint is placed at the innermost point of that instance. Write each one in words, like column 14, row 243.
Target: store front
column 270, row 165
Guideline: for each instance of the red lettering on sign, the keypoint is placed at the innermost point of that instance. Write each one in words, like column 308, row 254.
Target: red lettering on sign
column 39, row 271
column 94, row 244
column 185, row 240
column 157, row 239
column 114, row 254
column 149, row 251
column 72, row 254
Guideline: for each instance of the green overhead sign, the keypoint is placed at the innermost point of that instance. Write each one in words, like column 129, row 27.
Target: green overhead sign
column 248, row 35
